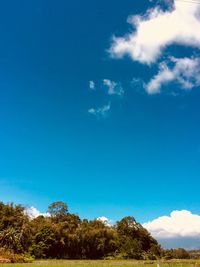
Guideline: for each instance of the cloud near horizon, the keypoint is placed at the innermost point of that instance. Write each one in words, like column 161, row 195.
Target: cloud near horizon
column 105, row 220
column 178, row 223
column 33, row 213
column 180, row 229
column 177, row 228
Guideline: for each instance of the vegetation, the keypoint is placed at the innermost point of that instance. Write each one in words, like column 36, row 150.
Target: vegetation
column 178, row 253
column 63, row 235
column 7, row 256
column 122, row 263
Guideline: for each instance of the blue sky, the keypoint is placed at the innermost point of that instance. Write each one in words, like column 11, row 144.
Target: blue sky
column 141, row 155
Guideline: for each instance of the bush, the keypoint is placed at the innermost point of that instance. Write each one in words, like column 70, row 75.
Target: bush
column 7, row 256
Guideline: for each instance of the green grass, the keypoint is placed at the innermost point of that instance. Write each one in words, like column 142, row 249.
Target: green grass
column 103, row 263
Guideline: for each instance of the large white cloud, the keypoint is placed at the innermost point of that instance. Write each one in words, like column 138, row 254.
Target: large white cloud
column 185, row 72
column 158, row 29
column 179, row 223
column 181, row 228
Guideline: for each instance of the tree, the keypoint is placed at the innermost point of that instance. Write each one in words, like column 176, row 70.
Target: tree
column 43, row 237
column 58, row 210
column 180, row 253
column 14, row 226
column 97, row 240
column 65, row 235
column 135, row 241
column 66, row 231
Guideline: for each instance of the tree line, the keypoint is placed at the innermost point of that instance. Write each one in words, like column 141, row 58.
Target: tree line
column 64, row 235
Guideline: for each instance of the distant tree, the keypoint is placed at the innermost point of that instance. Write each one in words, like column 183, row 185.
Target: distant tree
column 180, row 253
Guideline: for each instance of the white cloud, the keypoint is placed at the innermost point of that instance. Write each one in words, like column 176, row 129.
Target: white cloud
column 33, row 213
column 102, row 111
column 179, row 223
column 185, row 71
column 105, row 220
column 92, row 85
column 114, row 88
column 158, row 29
column 181, row 228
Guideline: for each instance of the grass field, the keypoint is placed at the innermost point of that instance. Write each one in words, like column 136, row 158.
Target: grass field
column 120, row 263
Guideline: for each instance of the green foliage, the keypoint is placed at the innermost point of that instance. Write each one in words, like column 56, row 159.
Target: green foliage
column 96, row 239
column 178, row 253
column 58, row 210
column 135, row 242
column 14, row 225
column 8, row 256
column 43, row 241
column 64, row 235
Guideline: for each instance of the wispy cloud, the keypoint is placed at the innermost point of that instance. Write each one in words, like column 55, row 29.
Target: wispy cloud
column 177, row 228
column 158, row 29
column 101, row 111
column 185, row 71
column 114, row 88
column 92, row 85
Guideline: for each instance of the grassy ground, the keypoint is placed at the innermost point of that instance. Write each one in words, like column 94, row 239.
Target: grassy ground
column 120, row 263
